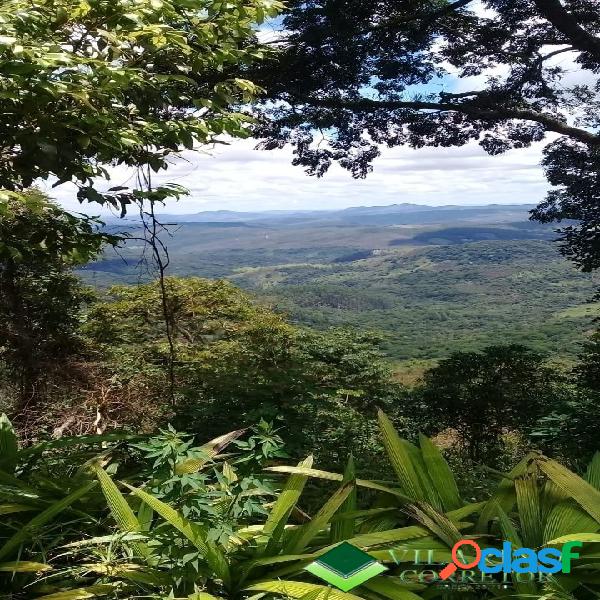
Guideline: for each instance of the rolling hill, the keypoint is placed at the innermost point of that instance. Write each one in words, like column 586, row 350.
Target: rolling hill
column 428, row 280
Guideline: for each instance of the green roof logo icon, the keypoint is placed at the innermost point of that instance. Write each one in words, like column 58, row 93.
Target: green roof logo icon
column 345, row 567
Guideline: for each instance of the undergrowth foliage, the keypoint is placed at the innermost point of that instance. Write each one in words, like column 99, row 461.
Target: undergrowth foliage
column 162, row 517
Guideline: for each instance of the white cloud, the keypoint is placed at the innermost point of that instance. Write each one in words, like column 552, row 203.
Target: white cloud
column 237, row 177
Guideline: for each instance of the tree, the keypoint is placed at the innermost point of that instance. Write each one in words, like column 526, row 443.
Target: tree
column 92, row 83
column 88, row 83
column 571, row 428
column 354, row 76
column 483, row 394
column 238, row 362
column 588, row 369
column 40, row 298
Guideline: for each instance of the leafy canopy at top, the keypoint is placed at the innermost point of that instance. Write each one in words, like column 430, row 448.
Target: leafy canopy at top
column 86, row 83
column 354, row 76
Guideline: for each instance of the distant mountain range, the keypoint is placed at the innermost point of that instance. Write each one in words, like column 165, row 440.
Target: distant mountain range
column 405, row 213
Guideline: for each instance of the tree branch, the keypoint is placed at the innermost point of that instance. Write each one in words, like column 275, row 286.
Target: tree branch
column 550, row 122
column 567, row 24
column 426, row 19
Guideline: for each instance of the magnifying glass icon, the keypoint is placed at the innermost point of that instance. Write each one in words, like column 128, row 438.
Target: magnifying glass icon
column 457, row 563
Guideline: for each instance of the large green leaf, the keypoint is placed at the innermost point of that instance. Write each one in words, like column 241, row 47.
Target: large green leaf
column 285, row 504
column 79, row 440
column 392, row 588
column 93, row 591
column 120, row 510
column 592, row 474
column 507, row 527
column 378, row 538
column 529, row 507
column 437, row 523
column 440, row 474
column 568, row 518
column 9, row 446
column 402, row 456
column 581, row 491
column 344, row 529
column 504, row 496
column 465, row 511
column 42, row 519
column 144, row 516
column 328, row 476
column 202, row 596
column 6, row 509
column 510, row 534
column 106, row 539
column 24, row 566
column 353, row 515
column 297, row 589
column 575, row 537
column 304, row 534
column 208, row 451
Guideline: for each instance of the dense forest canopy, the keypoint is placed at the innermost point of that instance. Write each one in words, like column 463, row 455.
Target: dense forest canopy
column 88, row 84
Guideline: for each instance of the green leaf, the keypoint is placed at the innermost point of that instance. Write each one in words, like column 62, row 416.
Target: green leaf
column 504, row 496
column 202, row 596
column 465, row 511
column 507, row 527
column 509, row 533
column 580, row 490
column 390, row 588
column 327, row 475
column 530, row 513
column 592, row 475
column 144, row 516
column 80, row 440
column 575, row 537
column 8, row 445
column 401, row 455
column 192, row 531
column 120, row 510
column 568, row 518
column 92, row 591
column 440, row 474
column 208, row 452
column 344, row 529
column 305, row 534
column 42, row 519
column 285, row 504
column 439, row 524
column 23, row 566
column 377, row 538
column 6, row 509
column 297, row 589
column 106, row 539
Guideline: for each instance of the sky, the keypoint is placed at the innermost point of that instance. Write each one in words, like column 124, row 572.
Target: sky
column 237, row 177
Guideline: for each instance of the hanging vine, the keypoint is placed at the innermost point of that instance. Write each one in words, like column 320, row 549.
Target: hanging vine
column 146, row 198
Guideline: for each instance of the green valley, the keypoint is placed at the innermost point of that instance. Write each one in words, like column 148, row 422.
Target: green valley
column 429, row 281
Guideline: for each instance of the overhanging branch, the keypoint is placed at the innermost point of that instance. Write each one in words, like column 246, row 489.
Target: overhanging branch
column 550, row 122
column 567, row 24
column 425, row 19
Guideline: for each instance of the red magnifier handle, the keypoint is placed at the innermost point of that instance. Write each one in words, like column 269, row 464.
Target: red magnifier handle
column 448, row 570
